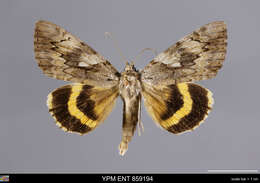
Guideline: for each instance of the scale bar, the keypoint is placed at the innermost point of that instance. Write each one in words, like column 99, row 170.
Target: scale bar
column 233, row 171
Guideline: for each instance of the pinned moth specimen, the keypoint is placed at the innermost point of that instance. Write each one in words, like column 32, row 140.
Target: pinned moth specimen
column 166, row 84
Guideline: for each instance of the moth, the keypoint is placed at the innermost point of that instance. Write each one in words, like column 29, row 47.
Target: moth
column 166, row 84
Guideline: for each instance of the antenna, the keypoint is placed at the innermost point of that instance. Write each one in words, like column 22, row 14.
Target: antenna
column 143, row 50
column 109, row 35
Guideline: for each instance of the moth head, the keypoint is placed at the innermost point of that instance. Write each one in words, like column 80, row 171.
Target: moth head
column 130, row 67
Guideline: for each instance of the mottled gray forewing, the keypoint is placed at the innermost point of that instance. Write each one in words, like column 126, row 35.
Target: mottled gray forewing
column 197, row 56
column 63, row 56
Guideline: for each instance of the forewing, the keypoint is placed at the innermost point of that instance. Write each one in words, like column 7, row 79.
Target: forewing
column 81, row 108
column 63, row 56
column 177, row 108
column 197, row 56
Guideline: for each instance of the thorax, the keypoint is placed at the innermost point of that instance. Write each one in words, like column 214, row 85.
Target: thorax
column 130, row 85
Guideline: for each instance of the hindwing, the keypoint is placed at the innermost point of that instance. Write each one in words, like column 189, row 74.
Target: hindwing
column 81, row 108
column 178, row 108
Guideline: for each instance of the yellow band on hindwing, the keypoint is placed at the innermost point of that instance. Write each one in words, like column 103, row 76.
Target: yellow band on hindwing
column 73, row 109
column 184, row 110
